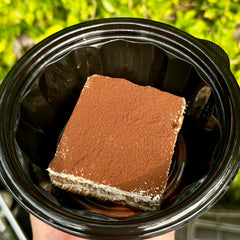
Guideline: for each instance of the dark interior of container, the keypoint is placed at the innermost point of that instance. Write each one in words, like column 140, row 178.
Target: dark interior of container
column 47, row 107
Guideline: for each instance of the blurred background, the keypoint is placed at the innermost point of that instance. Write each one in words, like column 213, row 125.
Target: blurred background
column 24, row 23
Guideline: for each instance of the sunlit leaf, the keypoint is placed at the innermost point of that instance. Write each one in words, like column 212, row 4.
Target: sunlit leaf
column 109, row 5
column 9, row 57
column 29, row 18
column 3, row 44
column 210, row 13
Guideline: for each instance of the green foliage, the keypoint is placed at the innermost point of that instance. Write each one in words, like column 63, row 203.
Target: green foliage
column 214, row 20
column 235, row 188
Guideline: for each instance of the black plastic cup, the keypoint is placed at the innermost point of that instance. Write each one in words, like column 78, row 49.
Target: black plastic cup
column 39, row 93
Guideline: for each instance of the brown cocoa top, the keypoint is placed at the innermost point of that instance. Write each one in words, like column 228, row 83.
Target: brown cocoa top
column 121, row 134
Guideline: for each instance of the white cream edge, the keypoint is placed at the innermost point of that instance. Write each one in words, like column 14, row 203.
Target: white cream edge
column 115, row 192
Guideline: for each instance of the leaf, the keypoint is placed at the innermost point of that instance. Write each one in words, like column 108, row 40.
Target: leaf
column 109, row 5
column 3, row 44
column 189, row 15
column 210, row 14
column 9, row 57
column 29, row 18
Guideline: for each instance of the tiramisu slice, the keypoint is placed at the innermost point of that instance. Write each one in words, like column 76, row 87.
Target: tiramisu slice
column 118, row 143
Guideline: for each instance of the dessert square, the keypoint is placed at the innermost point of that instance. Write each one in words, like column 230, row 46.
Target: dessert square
column 118, row 143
